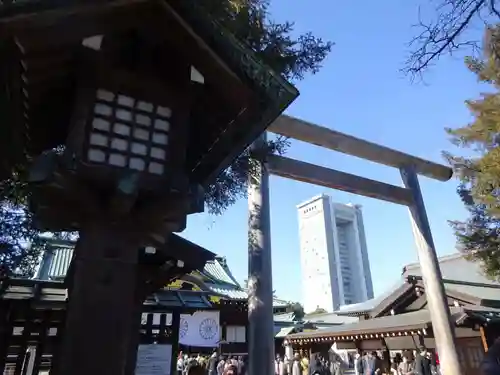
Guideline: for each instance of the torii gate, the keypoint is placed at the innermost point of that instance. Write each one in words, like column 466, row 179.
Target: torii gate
column 261, row 333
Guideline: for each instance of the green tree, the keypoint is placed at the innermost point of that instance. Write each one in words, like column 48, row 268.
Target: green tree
column 290, row 55
column 297, row 311
column 479, row 174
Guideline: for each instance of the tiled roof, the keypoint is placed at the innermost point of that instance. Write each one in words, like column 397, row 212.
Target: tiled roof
column 283, row 332
column 454, row 267
column 484, row 292
column 238, row 293
column 283, row 317
column 442, row 259
column 330, row 318
column 215, row 270
column 414, row 320
column 60, row 262
column 231, row 293
column 59, row 258
column 394, row 323
column 317, row 319
column 369, row 305
column 55, row 292
column 360, row 307
column 280, row 302
column 468, row 291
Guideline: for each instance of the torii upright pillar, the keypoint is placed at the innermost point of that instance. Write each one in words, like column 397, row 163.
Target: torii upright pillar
column 260, row 278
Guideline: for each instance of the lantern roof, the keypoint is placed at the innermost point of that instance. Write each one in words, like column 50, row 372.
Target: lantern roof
column 41, row 43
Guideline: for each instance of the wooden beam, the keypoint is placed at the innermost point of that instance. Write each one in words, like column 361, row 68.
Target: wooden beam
column 324, row 137
column 80, row 21
column 333, row 179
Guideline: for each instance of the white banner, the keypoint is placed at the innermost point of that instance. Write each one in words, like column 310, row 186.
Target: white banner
column 200, row 329
column 153, row 360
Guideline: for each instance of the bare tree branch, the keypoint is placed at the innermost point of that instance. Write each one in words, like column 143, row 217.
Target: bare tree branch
column 444, row 34
column 493, row 9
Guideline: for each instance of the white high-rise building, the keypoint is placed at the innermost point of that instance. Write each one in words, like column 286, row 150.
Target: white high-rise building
column 334, row 257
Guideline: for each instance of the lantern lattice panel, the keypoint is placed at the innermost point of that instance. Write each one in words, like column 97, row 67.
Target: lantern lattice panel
column 128, row 133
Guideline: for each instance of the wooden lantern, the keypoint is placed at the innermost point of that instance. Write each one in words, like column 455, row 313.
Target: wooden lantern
column 125, row 123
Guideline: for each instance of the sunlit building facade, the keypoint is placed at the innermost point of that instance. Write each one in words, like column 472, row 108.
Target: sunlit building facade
column 334, row 256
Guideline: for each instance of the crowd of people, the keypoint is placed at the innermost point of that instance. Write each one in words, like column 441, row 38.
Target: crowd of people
column 370, row 363
column 198, row 364
column 301, row 364
column 421, row 362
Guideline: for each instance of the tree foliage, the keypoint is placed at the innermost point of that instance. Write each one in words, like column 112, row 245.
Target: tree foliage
column 292, row 57
column 16, row 228
column 297, row 311
column 250, row 21
column 447, row 29
column 479, row 236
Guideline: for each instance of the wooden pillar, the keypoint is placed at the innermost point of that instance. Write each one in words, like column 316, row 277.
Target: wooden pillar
column 43, row 339
column 23, row 353
column 29, row 364
column 223, row 332
column 134, row 343
column 60, row 317
column 101, row 311
column 176, row 320
column 6, row 312
column 387, row 356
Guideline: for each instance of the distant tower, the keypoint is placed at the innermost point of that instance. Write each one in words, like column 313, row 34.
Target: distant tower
column 333, row 252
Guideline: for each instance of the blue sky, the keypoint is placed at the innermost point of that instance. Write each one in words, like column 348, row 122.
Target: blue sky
column 360, row 91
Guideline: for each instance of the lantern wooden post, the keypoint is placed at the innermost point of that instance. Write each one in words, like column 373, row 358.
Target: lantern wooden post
column 101, row 310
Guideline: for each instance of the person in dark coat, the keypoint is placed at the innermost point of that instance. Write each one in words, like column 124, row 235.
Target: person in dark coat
column 195, row 369
column 423, row 364
column 491, row 361
column 315, row 366
column 212, row 364
column 372, row 364
column 358, row 363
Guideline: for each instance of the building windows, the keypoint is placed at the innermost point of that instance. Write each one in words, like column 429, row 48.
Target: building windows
column 235, row 334
column 309, row 209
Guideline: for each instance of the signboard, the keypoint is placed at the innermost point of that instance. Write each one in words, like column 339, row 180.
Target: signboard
column 200, row 329
column 154, row 360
